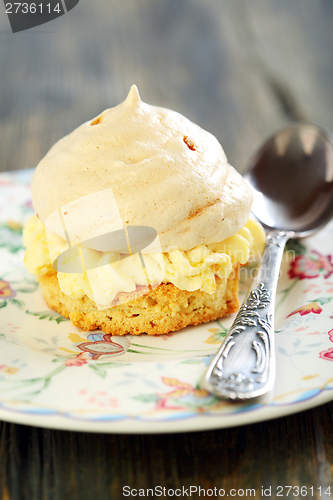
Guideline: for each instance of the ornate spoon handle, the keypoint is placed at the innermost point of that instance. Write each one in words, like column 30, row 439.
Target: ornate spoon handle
column 244, row 366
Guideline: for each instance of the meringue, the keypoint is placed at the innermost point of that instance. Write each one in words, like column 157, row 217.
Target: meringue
column 164, row 171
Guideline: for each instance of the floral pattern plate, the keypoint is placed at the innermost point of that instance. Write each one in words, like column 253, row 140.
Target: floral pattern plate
column 55, row 375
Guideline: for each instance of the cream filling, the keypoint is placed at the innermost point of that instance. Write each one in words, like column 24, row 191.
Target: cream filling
column 190, row 270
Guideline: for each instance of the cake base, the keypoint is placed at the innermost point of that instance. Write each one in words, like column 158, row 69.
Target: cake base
column 163, row 309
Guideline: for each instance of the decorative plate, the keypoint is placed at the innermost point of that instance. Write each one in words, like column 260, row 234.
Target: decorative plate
column 55, row 375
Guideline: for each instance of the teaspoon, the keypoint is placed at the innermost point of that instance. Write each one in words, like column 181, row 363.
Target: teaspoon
column 292, row 180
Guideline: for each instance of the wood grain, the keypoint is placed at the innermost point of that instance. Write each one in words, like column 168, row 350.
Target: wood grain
column 238, row 68
column 57, row 465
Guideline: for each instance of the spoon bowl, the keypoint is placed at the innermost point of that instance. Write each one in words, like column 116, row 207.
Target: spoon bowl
column 292, row 179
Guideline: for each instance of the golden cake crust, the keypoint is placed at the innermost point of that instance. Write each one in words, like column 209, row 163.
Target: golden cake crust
column 163, row 309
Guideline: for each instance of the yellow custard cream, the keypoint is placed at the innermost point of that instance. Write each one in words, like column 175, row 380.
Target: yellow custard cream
column 190, row 270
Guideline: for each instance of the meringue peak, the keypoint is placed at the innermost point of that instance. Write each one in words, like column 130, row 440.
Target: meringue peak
column 133, row 98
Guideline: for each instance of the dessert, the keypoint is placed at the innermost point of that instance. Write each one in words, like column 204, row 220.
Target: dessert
column 141, row 224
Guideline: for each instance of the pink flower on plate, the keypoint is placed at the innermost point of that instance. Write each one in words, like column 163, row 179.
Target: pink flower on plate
column 325, row 263
column 79, row 360
column 330, row 334
column 106, row 347
column 313, row 307
column 304, row 267
column 6, row 292
column 328, row 355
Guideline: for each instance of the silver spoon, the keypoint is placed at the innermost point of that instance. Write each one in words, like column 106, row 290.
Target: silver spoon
column 292, row 179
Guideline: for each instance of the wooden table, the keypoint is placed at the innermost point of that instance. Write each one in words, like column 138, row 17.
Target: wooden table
column 239, row 68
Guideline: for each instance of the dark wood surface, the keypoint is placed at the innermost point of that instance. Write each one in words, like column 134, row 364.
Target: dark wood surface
column 239, row 68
